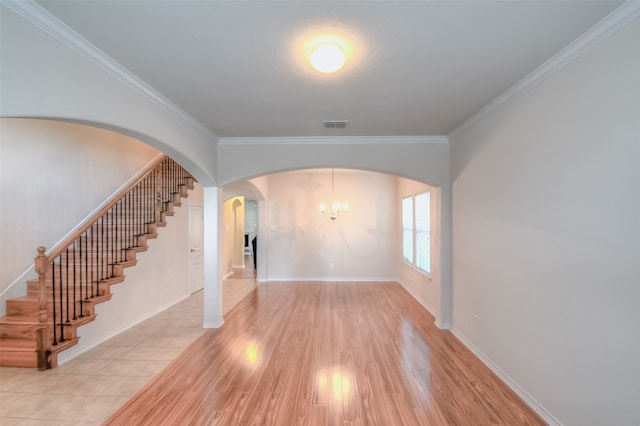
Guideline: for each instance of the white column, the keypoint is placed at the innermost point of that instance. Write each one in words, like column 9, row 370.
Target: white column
column 263, row 237
column 213, row 216
column 446, row 286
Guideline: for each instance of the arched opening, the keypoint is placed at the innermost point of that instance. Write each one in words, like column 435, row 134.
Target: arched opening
column 299, row 243
column 311, row 247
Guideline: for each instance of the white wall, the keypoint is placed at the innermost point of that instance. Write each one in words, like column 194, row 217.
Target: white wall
column 41, row 76
column 424, row 159
column 546, row 202
column 360, row 245
column 159, row 280
column 55, row 174
column 425, row 289
column 52, row 176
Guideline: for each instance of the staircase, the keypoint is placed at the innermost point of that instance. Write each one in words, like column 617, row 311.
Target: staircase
column 77, row 274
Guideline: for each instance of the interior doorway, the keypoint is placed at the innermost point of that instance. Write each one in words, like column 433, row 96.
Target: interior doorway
column 251, row 234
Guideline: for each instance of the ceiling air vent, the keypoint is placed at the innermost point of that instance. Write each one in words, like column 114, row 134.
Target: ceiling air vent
column 335, row 124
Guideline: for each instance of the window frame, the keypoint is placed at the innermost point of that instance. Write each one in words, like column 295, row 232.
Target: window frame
column 411, row 228
column 414, row 261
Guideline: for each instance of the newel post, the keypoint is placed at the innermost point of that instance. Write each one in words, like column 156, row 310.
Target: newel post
column 41, row 266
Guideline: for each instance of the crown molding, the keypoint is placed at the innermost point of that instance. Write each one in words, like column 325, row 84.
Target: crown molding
column 617, row 19
column 333, row 140
column 45, row 21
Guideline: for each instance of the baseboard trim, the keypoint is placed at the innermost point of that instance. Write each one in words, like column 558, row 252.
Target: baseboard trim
column 441, row 325
column 70, row 354
column 331, row 279
column 528, row 399
column 213, row 324
column 420, row 301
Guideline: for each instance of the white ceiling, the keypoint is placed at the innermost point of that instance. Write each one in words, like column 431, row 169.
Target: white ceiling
column 418, row 67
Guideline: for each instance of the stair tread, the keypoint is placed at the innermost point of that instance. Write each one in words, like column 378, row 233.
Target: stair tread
column 23, row 299
column 20, row 325
column 27, row 300
column 101, row 298
column 139, row 248
column 49, row 282
column 114, row 280
column 61, row 346
column 85, row 319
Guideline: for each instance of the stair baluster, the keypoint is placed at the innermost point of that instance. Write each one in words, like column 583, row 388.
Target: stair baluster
column 77, row 274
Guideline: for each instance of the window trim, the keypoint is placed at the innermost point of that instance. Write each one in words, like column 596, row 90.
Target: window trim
column 411, row 259
column 413, row 263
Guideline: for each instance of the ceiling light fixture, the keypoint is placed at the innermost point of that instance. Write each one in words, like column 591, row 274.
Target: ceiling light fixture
column 327, row 56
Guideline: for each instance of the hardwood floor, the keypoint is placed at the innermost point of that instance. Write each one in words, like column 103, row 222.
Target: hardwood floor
column 326, row 354
column 88, row 389
column 238, row 285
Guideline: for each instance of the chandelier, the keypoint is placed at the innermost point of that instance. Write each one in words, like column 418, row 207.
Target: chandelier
column 337, row 208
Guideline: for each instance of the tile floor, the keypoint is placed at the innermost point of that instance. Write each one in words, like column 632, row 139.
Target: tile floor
column 90, row 388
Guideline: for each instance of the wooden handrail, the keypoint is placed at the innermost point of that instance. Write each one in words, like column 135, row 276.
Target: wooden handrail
column 79, row 269
column 84, row 225
column 43, row 260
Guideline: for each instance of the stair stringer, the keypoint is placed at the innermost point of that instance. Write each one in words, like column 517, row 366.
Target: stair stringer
column 159, row 280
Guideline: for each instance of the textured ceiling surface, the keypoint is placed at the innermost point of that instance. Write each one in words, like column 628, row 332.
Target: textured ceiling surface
column 417, row 68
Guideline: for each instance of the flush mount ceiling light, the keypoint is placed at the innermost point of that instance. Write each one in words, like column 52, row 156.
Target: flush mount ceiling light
column 327, row 56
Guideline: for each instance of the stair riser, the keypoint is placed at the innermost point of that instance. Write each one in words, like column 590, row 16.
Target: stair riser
column 28, row 358
column 92, row 262
column 121, row 230
column 106, row 246
column 19, row 331
column 18, row 359
column 80, row 280
column 80, row 272
column 91, row 254
column 81, row 275
column 68, row 333
column 125, row 223
column 110, row 242
column 103, row 265
column 33, row 286
column 26, row 332
column 81, row 293
column 30, row 311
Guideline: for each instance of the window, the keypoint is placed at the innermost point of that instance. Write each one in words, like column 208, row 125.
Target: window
column 416, row 231
column 407, row 229
column 423, row 231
